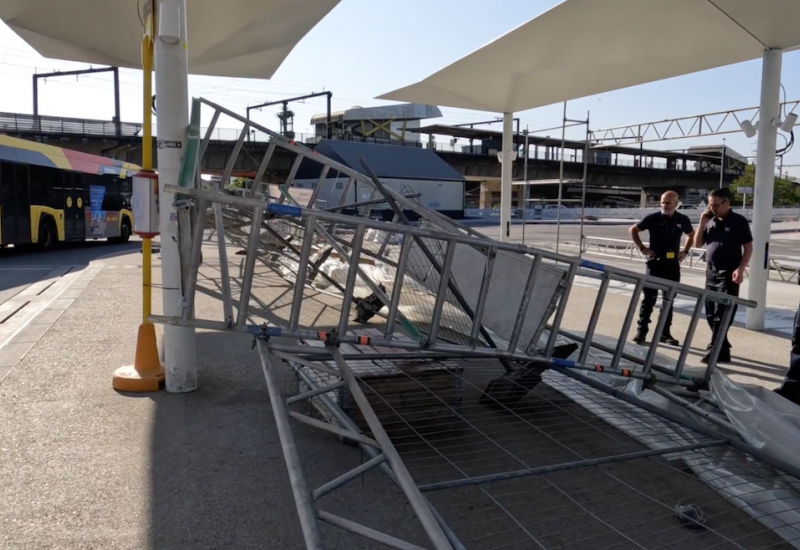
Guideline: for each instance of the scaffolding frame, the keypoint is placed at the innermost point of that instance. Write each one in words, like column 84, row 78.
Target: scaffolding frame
column 526, row 183
column 487, row 349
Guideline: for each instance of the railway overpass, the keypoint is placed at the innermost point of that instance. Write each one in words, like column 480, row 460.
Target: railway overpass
column 624, row 171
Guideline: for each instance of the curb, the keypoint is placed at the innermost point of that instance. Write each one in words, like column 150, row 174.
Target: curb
column 17, row 346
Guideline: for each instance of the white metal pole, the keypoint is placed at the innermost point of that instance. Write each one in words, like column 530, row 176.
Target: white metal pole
column 506, row 168
column 172, row 104
column 769, row 113
column 722, row 165
column 526, row 188
column 561, row 176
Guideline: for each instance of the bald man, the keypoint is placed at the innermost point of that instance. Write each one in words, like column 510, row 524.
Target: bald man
column 664, row 256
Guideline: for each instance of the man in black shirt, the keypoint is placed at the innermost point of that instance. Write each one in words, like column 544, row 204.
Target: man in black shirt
column 729, row 245
column 791, row 384
column 664, row 257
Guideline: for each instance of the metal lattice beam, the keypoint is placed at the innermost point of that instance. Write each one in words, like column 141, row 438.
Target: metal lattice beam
column 709, row 124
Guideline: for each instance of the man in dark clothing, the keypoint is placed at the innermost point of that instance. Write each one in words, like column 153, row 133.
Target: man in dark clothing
column 791, row 384
column 664, row 257
column 729, row 245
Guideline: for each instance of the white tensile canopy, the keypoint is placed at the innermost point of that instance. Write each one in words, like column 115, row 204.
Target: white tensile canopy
column 234, row 38
column 584, row 47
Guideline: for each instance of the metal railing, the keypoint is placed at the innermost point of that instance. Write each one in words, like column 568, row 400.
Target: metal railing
column 64, row 126
column 786, row 268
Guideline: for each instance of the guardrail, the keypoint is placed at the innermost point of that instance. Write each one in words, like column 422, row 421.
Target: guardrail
column 788, row 269
column 632, row 214
column 21, row 123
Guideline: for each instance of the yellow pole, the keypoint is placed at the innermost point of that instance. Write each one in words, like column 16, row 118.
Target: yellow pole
column 147, row 162
column 147, row 372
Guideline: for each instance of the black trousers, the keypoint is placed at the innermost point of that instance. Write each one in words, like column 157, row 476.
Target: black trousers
column 720, row 281
column 665, row 269
column 793, row 376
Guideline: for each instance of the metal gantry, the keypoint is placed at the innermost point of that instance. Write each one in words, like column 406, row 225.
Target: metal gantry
column 708, row 124
column 444, row 356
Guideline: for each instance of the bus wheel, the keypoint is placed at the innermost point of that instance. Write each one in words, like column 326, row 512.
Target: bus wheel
column 124, row 232
column 47, row 234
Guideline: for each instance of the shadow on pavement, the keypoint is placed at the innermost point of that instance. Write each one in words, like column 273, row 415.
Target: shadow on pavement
column 218, row 477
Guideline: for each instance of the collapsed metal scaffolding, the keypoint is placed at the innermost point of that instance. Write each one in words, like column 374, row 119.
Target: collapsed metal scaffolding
column 444, row 356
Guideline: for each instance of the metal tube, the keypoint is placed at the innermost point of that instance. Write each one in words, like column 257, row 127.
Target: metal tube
column 347, row 477
column 302, row 273
column 305, row 511
column 262, row 168
column 444, row 283
column 249, row 266
column 506, row 176
column 716, row 348
column 491, row 255
column 594, row 319
column 313, row 393
column 397, row 288
column 698, row 308
column 561, row 176
column 222, row 250
column 626, row 324
column 542, row 470
column 207, row 137
column 352, row 276
column 366, row 532
column 666, row 308
column 336, row 430
column 404, row 479
column 714, row 419
column 522, row 312
column 194, row 261
column 348, row 423
column 290, row 178
column 584, row 181
column 566, row 286
column 681, row 420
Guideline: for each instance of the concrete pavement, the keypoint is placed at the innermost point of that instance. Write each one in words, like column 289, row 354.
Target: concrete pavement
column 86, row 468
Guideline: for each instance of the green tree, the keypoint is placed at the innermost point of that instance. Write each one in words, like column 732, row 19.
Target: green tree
column 239, row 183
column 787, row 193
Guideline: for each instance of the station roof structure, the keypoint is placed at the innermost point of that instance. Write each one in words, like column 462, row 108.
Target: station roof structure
column 235, row 38
column 581, row 48
column 387, row 161
column 519, row 139
column 405, row 111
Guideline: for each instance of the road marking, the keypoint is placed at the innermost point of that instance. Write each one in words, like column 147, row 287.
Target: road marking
column 36, row 298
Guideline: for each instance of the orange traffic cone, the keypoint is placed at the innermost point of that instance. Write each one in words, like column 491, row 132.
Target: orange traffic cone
column 147, row 373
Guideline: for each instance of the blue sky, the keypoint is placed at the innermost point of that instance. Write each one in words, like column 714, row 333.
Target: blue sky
column 367, row 47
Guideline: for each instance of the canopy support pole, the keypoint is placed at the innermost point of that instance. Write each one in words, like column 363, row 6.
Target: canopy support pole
column 769, row 119
column 507, row 158
column 172, row 96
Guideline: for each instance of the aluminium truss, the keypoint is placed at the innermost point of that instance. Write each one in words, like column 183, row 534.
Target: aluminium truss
column 446, row 357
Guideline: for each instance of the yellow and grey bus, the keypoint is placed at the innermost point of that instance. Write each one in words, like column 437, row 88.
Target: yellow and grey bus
column 50, row 195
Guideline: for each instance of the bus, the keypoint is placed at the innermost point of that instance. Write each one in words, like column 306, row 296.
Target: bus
column 50, row 195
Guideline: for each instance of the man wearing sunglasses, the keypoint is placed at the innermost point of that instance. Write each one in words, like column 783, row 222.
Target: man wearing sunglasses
column 729, row 246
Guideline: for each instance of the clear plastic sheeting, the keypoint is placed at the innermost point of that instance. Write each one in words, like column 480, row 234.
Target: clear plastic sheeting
column 764, row 419
column 761, row 418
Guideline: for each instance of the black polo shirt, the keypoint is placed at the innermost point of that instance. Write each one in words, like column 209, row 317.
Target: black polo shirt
column 665, row 232
column 724, row 239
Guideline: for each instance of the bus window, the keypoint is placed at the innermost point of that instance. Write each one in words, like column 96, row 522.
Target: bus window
column 15, row 203
column 46, row 186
